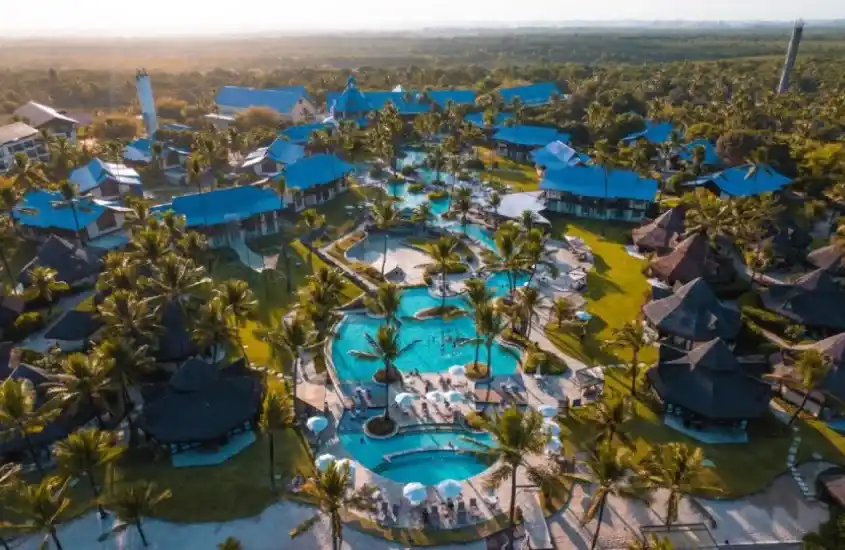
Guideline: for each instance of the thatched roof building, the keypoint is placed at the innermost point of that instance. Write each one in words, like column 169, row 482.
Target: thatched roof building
column 73, row 264
column 660, row 234
column 690, row 259
column 831, row 258
column 815, row 300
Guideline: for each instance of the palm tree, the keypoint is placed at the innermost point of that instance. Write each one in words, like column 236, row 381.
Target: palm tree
column 83, row 453
column 130, row 503
column 290, row 337
column 27, row 174
column 211, row 329
column 678, row 468
column 603, row 156
column 150, row 244
column 120, row 272
column 8, row 242
column 329, row 279
column 386, row 346
column 462, row 205
column 385, row 215
column 194, row 246
column 477, row 293
column 527, row 301
column 236, row 301
column 126, row 315
column 494, row 201
column 177, row 282
column 422, row 214
column 809, row 373
column 231, row 543
column 631, row 335
column 311, row 221
column 43, row 286
column 39, row 505
column 509, row 257
column 443, row 254
column 126, row 361
column 652, row 543
column 81, row 382
column 518, row 436
column 8, row 483
column 70, row 196
column 22, row 416
column 277, row 415
column 536, row 253
column 490, row 324
column 607, row 467
column 329, row 491
column 563, row 310
column 385, row 302
column 608, row 417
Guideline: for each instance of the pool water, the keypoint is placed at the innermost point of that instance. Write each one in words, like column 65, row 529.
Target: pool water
column 481, row 234
column 428, row 468
column 411, row 158
column 417, row 299
column 498, row 284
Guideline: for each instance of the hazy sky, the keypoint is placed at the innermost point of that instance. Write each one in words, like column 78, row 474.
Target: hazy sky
column 145, row 17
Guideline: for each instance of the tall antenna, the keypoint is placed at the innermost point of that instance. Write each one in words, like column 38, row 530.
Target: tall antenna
column 145, row 98
column 791, row 54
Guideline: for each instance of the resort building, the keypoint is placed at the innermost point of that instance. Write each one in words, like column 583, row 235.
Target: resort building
column 42, row 117
column 831, row 390
column 711, row 158
column 77, row 266
column 557, row 154
column 175, row 344
column 709, row 390
column 692, row 314
column 291, row 102
column 531, row 95
column 18, row 137
column 314, row 180
column 517, row 142
column 301, row 133
column 228, row 214
column 74, row 330
column 499, row 120
column 41, row 214
column 662, row 233
column 691, row 259
column 139, row 150
column 271, row 160
column 593, row 192
column 106, row 180
column 831, row 258
column 654, row 133
column 738, row 181
column 815, row 300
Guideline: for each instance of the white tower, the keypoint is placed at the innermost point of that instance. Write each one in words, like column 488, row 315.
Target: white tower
column 148, row 104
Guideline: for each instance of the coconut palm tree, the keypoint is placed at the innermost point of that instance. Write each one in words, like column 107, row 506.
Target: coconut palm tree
column 39, row 507
column 22, row 416
column 291, row 337
column 385, row 215
column 607, row 468
column 494, row 201
column 490, row 324
column 526, row 304
column 422, row 215
column 26, row 174
column 563, row 310
column 809, row 373
column 608, row 416
column 194, row 246
column 277, row 415
column 237, row 303
column 81, row 382
column 43, row 285
column 329, row 492
column 231, row 543
column 444, row 254
column 178, row 282
column 518, row 436
column 311, row 221
column 211, row 329
column 120, row 272
column 150, row 244
column 329, row 279
column 126, row 360
column 131, row 502
column 9, row 241
column 679, row 468
column 387, row 347
column 126, row 315
column 385, row 302
column 632, row 335
column 508, row 257
column 8, row 483
column 84, row 453
column 70, row 197
column 477, row 293
column 536, row 253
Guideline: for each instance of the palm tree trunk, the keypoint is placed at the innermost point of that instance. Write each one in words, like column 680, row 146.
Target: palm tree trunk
column 32, row 452
column 272, row 441
column 295, row 379
column 141, row 533
column 286, row 260
column 512, row 514
column 600, row 518
column 800, row 408
column 634, row 366
column 489, row 372
column 443, row 290
column 671, row 506
column 477, row 351
column 76, row 223
column 55, row 537
column 96, row 492
column 243, row 352
column 386, row 392
column 335, row 534
column 384, row 254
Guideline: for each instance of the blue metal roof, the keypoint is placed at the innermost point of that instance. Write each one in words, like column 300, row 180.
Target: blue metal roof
column 241, row 98
column 539, row 93
column 477, row 119
column 557, row 154
column 710, row 156
column 655, row 132
column 532, row 136
column 589, row 181
column 315, row 170
column 96, row 172
column 284, row 151
column 223, row 205
column 458, row 97
column 302, row 132
column 48, row 209
column 296, row 89
column 737, row 183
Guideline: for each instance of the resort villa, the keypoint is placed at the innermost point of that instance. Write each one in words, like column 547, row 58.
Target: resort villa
column 76, row 265
column 738, row 181
column 517, row 142
column 654, row 133
column 18, row 137
column 662, row 233
column 228, row 214
column 815, row 300
column 593, row 192
column 313, row 180
column 46, row 118
column 291, row 102
column 271, row 160
column 106, row 180
column 44, row 213
column 557, row 154
column 531, row 95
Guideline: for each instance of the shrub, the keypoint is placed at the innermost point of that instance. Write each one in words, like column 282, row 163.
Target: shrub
column 474, row 420
column 416, row 188
column 437, row 195
column 25, row 325
column 377, row 170
column 464, row 176
column 115, row 127
column 545, row 363
column 407, row 170
column 474, row 164
column 477, row 371
column 257, row 117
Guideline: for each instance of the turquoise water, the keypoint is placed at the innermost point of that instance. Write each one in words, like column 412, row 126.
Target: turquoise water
column 417, row 299
column 428, row 468
column 499, row 286
column 482, row 235
column 411, row 158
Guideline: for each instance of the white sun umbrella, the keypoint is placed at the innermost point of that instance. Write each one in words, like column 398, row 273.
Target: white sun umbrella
column 548, row 411
column 317, row 424
column 453, row 396
column 553, row 445
column 450, row 488
column 434, row 396
column 457, row 370
column 415, row 492
column 551, row 427
column 404, row 399
column 323, row 461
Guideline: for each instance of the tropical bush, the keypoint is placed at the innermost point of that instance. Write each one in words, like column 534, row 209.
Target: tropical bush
column 416, row 188
column 25, row 325
column 546, row 363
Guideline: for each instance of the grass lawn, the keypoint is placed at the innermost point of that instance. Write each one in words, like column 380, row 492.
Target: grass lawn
column 521, row 177
column 19, row 257
column 616, row 290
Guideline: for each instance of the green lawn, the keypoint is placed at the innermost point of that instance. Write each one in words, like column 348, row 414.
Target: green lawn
column 521, row 177
column 616, row 290
column 18, row 258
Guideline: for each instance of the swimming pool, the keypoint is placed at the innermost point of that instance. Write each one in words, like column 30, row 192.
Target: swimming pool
column 498, row 283
column 431, row 466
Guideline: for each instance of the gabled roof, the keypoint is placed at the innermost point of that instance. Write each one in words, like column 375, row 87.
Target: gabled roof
column 139, row 150
column 97, row 172
column 539, row 93
column 242, row 98
column 660, row 233
column 71, row 262
column 285, row 152
column 654, row 132
column 350, row 100
column 301, row 133
column 38, row 114
column 831, row 258
column 710, row 156
column 710, row 382
column 832, row 348
column 477, row 119
column 11, row 308
column 689, row 260
column 74, row 325
column 558, row 154
column 315, row 170
column 814, row 300
column 531, row 136
column 223, row 205
column 15, row 131
column 736, row 181
column 693, row 312
column 48, row 209
column 590, row 181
